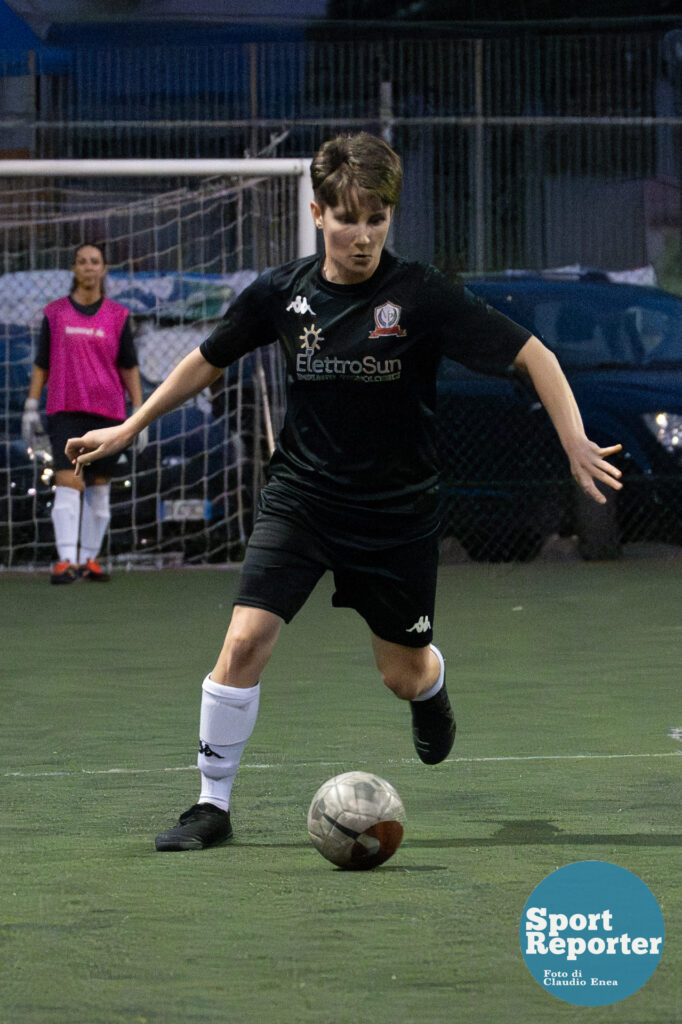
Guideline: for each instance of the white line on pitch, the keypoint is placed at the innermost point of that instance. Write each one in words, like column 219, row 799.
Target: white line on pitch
column 336, row 764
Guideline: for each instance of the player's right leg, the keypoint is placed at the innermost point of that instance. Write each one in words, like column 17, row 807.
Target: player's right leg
column 279, row 572
column 229, row 708
column 66, row 517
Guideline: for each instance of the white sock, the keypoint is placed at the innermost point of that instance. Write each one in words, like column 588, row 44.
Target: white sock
column 228, row 717
column 65, row 515
column 96, row 516
column 438, row 685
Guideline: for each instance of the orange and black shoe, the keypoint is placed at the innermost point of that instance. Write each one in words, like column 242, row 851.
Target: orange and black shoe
column 93, row 572
column 64, row 572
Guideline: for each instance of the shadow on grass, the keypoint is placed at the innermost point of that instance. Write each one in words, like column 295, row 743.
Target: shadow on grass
column 511, row 833
column 544, row 833
column 516, row 833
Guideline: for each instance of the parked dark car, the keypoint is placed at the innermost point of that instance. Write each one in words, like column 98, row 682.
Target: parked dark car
column 506, row 484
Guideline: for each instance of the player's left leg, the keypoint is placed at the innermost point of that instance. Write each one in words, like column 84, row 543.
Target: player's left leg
column 94, row 522
column 417, row 674
column 394, row 589
column 408, row 672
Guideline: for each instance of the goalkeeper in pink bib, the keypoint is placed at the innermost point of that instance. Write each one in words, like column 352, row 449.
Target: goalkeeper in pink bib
column 86, row 357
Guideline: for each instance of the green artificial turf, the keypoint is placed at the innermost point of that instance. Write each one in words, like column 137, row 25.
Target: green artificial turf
column 566, row 682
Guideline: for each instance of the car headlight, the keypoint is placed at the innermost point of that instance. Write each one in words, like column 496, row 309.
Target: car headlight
column 667, row 429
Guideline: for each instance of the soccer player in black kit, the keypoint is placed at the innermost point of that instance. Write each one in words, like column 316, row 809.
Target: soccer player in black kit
column 352, row 484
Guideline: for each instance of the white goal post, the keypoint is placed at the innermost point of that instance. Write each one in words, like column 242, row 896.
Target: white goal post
column 257, row 167
column 182, row 237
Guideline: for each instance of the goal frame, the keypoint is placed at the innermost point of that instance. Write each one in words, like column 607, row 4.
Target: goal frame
column 303, row 238
column 263, row 167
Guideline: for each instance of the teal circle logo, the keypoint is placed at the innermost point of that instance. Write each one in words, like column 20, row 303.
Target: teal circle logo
column 591, row 933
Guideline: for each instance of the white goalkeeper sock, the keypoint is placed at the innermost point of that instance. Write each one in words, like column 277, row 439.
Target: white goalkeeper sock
column 228, row 717
column 96, row 515
column 65, row 515
column 438, row 685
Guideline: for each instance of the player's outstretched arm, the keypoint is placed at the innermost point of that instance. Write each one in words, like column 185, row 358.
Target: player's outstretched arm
column 588, row 461
column 188, row 378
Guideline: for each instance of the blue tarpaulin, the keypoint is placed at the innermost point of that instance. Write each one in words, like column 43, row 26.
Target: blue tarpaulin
column 17, row 41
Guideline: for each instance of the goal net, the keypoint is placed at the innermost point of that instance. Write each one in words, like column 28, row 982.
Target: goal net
column 182, row 240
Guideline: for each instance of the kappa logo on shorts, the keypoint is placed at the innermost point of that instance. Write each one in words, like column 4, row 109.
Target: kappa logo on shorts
column 422, row 625
column 387, row 320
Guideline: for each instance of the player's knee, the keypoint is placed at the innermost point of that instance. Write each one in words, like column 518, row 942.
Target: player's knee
column 243, row 657
column 241, row 649
column 404, row 684
column 67, row 478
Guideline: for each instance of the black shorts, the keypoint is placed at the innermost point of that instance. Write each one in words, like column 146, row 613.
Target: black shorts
column 393, row 588
column 63, row 425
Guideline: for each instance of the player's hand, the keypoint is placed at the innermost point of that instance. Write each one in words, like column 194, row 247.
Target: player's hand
column 96, row 444
column 589, row 464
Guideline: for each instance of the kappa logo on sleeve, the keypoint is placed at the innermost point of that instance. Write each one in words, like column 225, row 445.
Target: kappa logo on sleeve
column 387, row 320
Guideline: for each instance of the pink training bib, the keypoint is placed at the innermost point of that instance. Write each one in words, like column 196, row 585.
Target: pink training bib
column 84, row 375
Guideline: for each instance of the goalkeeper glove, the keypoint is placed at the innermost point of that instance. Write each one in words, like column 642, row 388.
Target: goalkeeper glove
column 142, row 439
column 31, row 422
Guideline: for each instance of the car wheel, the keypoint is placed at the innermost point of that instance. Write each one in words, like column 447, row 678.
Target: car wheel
column 597, row 527
column 514, row 547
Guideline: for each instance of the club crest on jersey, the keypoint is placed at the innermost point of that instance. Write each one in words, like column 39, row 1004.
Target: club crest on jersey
column 387, row 320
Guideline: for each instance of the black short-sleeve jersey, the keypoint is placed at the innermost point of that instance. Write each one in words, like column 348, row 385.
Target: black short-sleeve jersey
column 361, row 364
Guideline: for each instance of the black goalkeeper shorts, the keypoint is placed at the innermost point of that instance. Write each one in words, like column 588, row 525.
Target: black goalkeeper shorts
column 393, row 588
column 63, row 425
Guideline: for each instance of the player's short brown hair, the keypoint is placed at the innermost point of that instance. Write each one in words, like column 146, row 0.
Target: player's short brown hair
column 350, row 164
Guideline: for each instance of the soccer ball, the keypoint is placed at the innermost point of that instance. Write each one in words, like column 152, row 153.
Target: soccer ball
column 356, row 820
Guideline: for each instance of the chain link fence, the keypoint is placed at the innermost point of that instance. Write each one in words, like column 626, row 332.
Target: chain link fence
column 524, row 147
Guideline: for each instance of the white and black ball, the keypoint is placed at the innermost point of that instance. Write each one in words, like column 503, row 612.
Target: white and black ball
column 356, row 820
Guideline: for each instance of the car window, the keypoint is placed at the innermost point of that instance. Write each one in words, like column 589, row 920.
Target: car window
column 569, row 322
column 577, row 333
column 660, row 331
column 588, row 325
